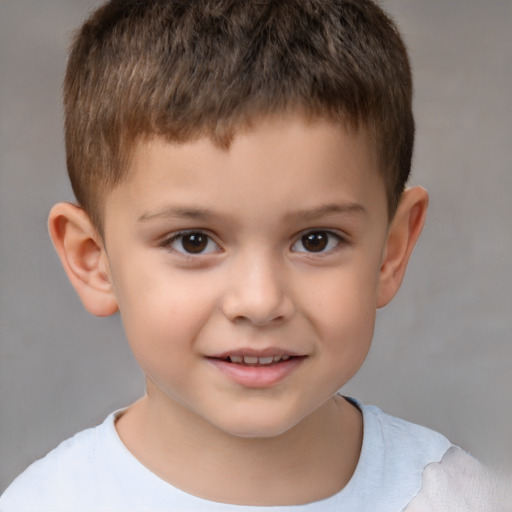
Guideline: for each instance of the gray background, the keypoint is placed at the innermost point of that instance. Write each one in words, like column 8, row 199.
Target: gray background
column 442, row 354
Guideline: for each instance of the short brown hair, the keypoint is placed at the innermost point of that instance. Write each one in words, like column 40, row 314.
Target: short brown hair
column 182, row 69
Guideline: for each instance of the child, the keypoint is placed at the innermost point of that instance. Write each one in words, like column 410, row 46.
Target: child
column 240, row 171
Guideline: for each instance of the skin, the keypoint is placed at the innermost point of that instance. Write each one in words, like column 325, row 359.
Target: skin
column 254, row 284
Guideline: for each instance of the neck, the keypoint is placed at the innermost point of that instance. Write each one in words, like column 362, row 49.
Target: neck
column 311, row 461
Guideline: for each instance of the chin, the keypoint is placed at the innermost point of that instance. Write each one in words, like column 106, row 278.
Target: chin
column 258, row 432
column 264, row 426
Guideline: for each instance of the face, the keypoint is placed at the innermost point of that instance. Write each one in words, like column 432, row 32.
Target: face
column 247, row 278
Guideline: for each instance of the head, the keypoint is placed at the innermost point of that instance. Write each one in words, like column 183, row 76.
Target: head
column 240, row 169
column 183, row 70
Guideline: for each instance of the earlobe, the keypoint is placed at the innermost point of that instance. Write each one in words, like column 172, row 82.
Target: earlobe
column 404, row 231
column 83, row 257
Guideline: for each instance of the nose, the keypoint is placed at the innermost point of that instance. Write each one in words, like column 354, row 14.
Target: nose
column 257, row 293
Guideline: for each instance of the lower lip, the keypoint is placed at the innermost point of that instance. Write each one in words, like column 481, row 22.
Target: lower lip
column 257, row 376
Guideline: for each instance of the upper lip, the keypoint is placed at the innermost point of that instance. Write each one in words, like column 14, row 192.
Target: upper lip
column 263, row 352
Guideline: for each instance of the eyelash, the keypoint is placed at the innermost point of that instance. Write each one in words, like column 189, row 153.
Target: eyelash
column 326, row 241
column 176, row 237
column 329, row 238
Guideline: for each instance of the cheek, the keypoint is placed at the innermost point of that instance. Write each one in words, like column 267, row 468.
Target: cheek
column 342, row 307
column 161, row 310
column 345, row 328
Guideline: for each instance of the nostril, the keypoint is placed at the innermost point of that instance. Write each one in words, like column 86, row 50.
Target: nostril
column 257, row 305
column 259, row 321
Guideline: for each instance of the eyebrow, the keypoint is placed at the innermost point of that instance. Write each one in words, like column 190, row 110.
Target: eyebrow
column 177, row 212
column 202, row 214
column 327, row 209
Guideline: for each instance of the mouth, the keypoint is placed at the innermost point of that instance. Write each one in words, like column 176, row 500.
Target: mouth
column 257, row 370
column 246, row 360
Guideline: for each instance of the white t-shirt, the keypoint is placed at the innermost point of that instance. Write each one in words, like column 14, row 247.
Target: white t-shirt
column 94, row 471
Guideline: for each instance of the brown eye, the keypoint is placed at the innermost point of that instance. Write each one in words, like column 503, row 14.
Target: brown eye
column 317, row 242
column 193, row 242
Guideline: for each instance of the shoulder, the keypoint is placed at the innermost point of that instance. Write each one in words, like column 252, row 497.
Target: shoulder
column 393, row 457
column 402, row 442
column 426, row 471
column 459, row 483
column 47, row 480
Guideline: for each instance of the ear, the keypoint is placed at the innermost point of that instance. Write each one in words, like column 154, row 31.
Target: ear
column 82, row 253
column 404, row 231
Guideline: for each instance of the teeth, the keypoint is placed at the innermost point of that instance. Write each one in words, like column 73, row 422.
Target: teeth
column 257, row 360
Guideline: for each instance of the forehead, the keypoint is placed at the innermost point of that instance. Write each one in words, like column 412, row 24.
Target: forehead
column 273, row 164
